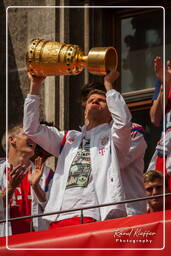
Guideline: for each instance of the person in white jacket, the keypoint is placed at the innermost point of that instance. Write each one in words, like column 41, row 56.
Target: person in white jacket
column 88, row 171
column 132, row 170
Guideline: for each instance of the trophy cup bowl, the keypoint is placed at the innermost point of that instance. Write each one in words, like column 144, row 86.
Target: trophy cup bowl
column 50, row 58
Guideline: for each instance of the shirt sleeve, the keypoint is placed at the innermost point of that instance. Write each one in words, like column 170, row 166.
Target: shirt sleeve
column 137, row 148
column 121, row 124
column 157, row 88
column 49, row 138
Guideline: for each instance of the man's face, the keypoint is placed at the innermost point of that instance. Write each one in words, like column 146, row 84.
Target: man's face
column 22, row 143
column 153, row 188
column 96, row 106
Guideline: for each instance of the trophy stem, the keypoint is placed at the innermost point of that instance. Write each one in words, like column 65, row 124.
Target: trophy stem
column 83, row 60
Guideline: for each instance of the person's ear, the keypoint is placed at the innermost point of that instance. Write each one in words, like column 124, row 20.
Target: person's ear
column 12, row 140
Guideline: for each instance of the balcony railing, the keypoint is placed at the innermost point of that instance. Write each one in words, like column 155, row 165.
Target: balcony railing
column 86, row 208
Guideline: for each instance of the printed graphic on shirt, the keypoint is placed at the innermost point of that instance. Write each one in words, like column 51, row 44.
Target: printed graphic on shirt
column 79, row 173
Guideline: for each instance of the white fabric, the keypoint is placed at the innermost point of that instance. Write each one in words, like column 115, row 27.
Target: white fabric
column 133, row 173
column 163, row 146
column 152, row 164
column 75, row 195
column 109, row 143
column 2, row 216
column 3, row 226
column 37, row 207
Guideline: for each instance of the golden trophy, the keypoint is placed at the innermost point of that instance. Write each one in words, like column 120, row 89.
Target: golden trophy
column 49, row 58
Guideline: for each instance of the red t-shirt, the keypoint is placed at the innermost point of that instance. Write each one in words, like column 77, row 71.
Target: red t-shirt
column 20, row 205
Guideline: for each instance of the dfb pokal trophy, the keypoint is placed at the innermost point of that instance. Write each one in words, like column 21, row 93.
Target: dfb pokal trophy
column 50, row 58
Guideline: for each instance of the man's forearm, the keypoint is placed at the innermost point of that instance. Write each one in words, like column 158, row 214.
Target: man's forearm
column 35, row 89
column 35, row 83
column 156, row 111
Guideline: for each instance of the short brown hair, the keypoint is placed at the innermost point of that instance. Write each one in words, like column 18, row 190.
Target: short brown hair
column 96, row 91
column 152, row 175
column 87, row 88
column 13, row 130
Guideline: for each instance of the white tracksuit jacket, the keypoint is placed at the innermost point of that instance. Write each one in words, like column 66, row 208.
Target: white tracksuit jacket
column 109, row 144
column 36, row 206
column 133, row 172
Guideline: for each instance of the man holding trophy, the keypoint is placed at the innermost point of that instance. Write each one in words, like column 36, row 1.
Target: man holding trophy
column 88, row 168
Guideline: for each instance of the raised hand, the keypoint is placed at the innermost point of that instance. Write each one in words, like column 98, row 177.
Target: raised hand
column 158, row 68
column 35, row 83
column 34, row 178
column 35, row 174
column 16, row 175
column 110, row 78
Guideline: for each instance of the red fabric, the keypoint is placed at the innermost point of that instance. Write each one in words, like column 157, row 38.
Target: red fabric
column 20, row 205
column 71, row 221
column 138, row 236
column 168, row 107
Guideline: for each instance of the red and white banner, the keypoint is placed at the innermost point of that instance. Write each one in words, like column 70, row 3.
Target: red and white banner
column 141, row 235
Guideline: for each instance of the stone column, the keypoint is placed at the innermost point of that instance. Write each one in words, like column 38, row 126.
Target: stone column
column 42, row 24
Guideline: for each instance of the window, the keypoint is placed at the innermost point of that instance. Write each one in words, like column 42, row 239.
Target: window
column 141, row 41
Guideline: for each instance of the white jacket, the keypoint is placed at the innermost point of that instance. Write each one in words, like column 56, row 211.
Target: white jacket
column 133, row 172
column 2, row 216
column 36, row 206
column 109, row 144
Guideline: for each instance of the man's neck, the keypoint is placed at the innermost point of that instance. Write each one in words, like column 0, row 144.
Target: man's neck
column 92, row 124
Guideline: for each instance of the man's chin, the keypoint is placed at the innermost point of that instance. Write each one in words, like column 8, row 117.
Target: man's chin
column 95, row 110
column 156, row 204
